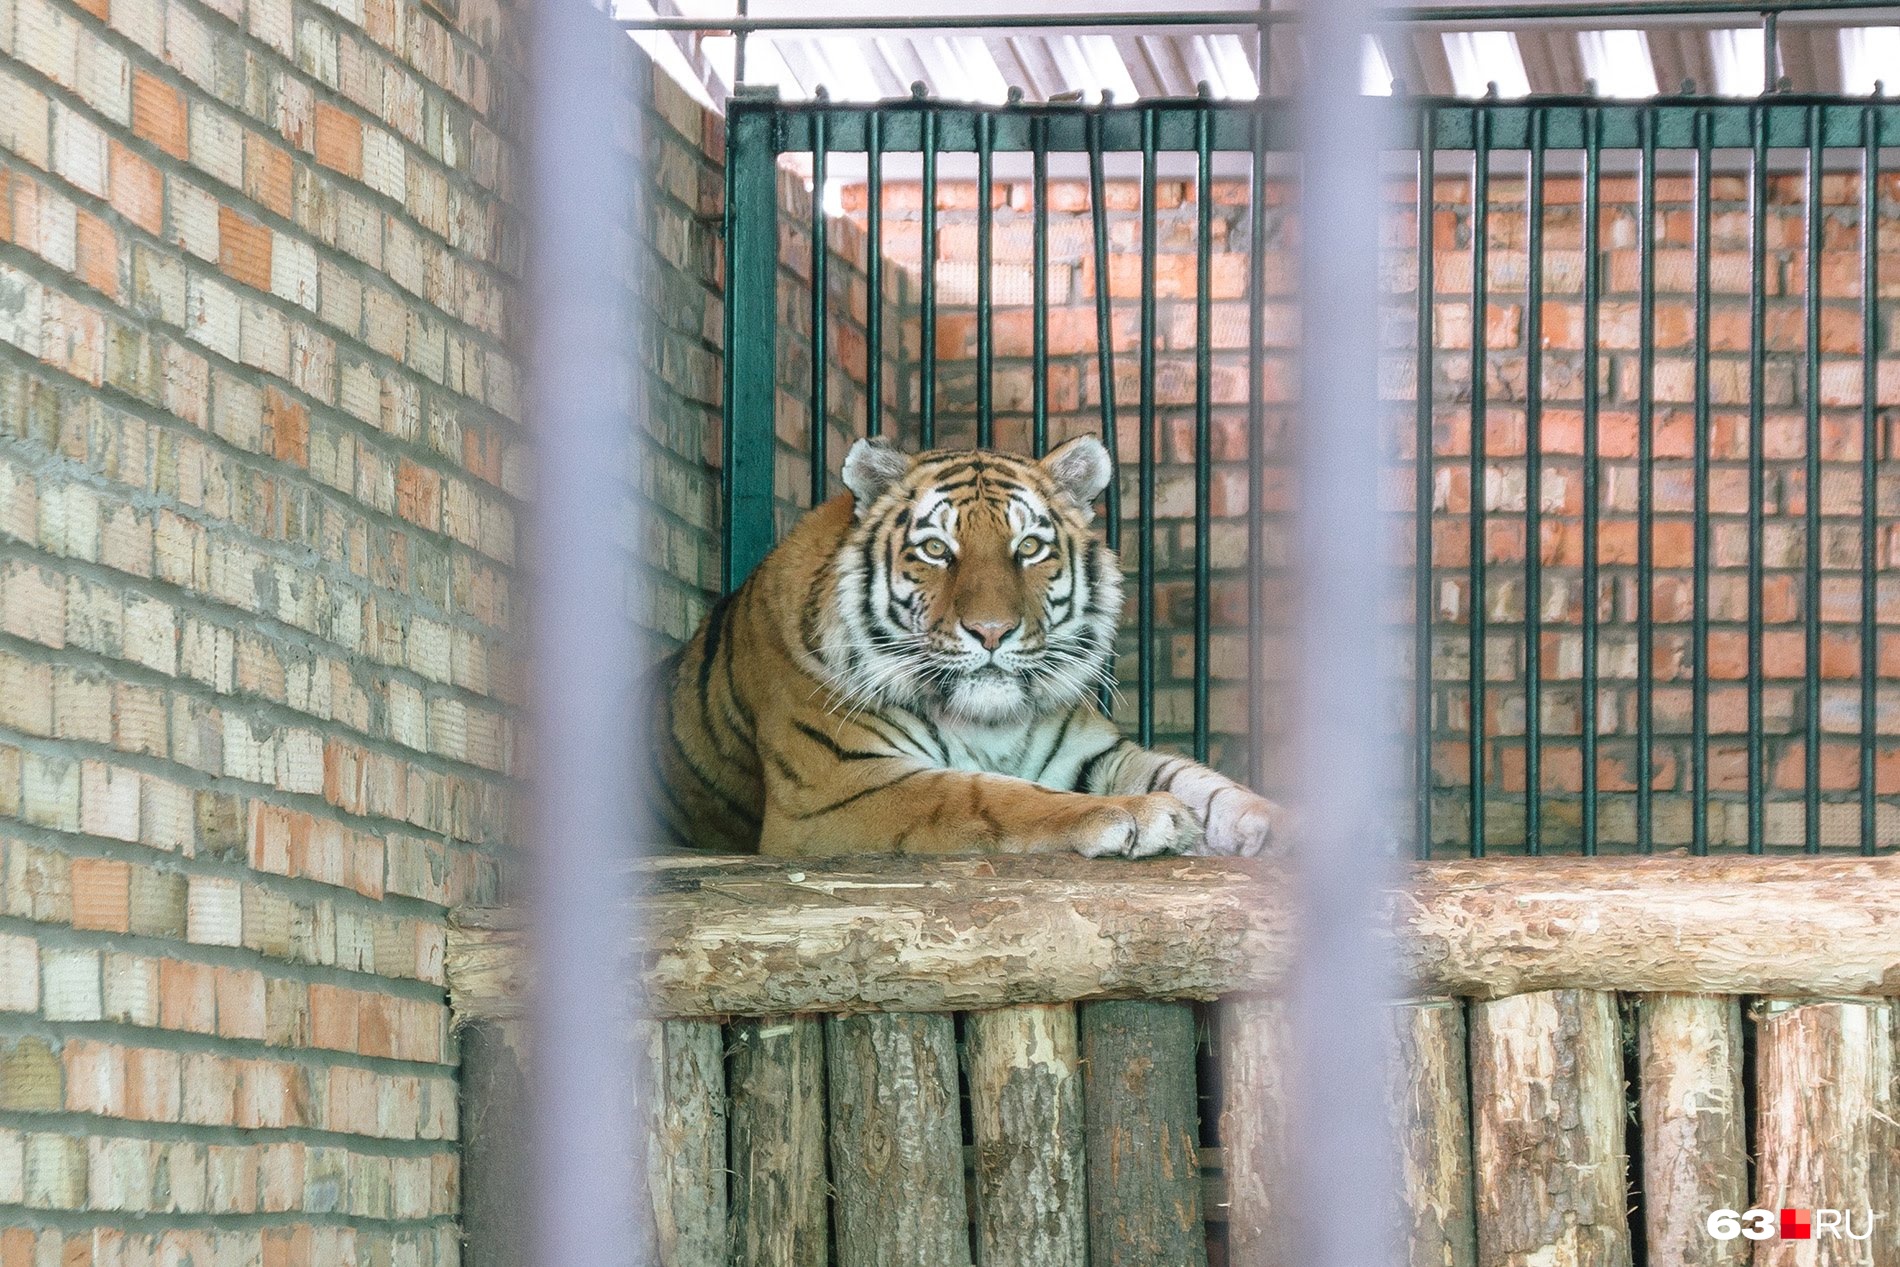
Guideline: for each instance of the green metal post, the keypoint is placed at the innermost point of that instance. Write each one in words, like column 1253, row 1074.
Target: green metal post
column 820, row 311
column 874, row 272
column 1203, row 418
column 1534, row 500
column 1145, row 449
column 1699, row 619
column 1869, row 455
column 985, row 269
column 1811, row 595
column 1645, row 492
column 1757, row 493
column 1480, row 262
column 1039, row 302
column 1424, row 442
column 751, row 227
column 1592, row 464
column 927, row 285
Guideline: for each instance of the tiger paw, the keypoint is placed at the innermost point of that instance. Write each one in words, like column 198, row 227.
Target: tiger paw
column 1138, row 827
column 1240, row 825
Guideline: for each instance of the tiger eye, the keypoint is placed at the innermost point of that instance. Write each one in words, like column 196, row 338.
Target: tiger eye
column 1029, row 549
column 934, row 549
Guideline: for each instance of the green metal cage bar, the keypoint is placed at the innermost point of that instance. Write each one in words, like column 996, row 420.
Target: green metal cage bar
column 1581, row 131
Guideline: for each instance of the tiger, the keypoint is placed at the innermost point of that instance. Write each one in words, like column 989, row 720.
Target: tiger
column 916, row 668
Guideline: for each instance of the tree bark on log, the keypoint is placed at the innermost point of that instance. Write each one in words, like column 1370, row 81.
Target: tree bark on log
column 896, row 1141
column 1547, row 1109
column 1695, row 1138
column 1253, row 1126
column 1432, row 1127
column 686, row 1140
column 758, row 937
column 1144, row 1157
column 1026, row 1114
column 777, row 1154
column 1825, row 1127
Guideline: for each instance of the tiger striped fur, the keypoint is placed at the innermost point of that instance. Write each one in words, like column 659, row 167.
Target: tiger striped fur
column 914, row 669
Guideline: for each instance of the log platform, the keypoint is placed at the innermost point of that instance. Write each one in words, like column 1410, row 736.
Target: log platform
column 1050, row 1061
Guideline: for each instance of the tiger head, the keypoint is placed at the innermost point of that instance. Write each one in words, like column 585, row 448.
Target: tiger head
column 970, row 586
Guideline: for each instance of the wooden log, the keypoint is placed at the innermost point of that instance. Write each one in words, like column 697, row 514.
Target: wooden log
column 759, row 937
column 1432, row 1133
column 497, row 1209
column 777, row 1149
column 1144, row 1158
column 1026, row 1117
column 1253, row 1125
column 686, row 1141
column 1695, row 1139
column 1825, row 1127
column 896, row 1141
column 1547, row 1113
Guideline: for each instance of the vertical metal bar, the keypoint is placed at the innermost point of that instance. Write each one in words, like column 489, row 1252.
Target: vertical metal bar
column 1770, row 50
column 1869, row 452
column 582, row 1158
column 1039, row 301
column 927, row 284
column 1480, row 260
column 1757, row 485
column 1592, row 466
column 1342, row 986
column 1422, row 490
column 874, row 272
column 1811, row 598
column 1203, row 413
column 985, row 269
column 1699, row 620
column 1145, row 572
column 1533, row 498
column 739, row 48
column 1104, row 325
column 820, row 302
column 1645, row 488
column 1256, row 451
column 751, row 337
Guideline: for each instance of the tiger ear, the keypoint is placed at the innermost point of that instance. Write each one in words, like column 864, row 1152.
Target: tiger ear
column 1081, row 468
column 870, row 468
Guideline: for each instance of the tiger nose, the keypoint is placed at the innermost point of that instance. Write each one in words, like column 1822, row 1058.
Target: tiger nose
column 991, row 632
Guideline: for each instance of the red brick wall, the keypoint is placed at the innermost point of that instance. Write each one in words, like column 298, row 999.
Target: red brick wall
column 1074, row 407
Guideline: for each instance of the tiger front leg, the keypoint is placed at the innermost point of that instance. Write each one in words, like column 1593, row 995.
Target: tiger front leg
column 902, row 808
column 1235, row 821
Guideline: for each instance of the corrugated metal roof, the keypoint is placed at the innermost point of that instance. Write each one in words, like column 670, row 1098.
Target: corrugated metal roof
column 1843, row 52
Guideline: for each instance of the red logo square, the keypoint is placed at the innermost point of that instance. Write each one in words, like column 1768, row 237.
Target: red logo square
column 1797, row 1225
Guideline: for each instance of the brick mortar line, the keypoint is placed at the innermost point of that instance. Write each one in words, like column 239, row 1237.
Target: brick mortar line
column 154, row 325
column 49, row 466
column 130, row 671
column 318, row 1059
column 84, row 1125
column 230, row 33
column 237, row 198
column 67, row 937
column 390, row 904
column 22, row 1025
column 434, row 762
column 158, row 1223
column 48, row 460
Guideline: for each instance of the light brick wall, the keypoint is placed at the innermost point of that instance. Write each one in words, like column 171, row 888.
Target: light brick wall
column 260, row 468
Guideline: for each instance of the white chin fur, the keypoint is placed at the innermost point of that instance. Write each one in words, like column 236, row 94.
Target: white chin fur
column 988, row 699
